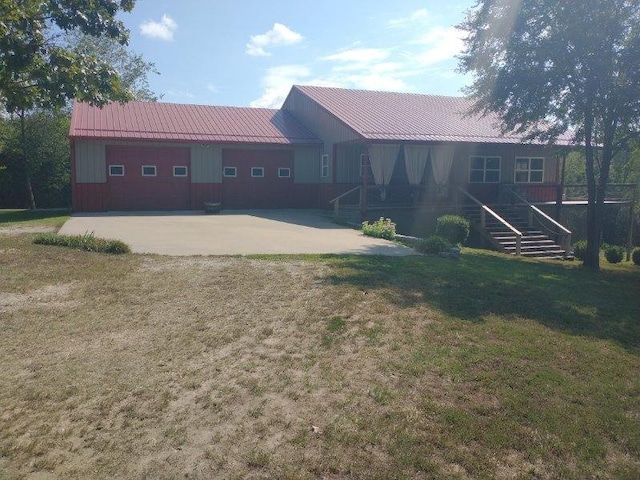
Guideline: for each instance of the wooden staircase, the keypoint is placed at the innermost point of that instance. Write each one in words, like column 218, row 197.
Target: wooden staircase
column 534, row 243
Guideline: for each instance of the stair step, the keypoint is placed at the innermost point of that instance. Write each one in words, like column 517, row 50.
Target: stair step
column 537, row 243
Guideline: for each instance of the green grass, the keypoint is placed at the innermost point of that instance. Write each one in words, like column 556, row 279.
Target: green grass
column 218, row 367
column 87, row 242
column 54, row 218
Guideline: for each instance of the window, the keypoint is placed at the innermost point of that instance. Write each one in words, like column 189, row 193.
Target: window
column 364, row 163
column 324, row 166
column 148, row 170
column 257, row 172
column 229, row 172
column 284, row 172
column 529, row 170
column 180, row 171
column 484, row 169
column 116, row 170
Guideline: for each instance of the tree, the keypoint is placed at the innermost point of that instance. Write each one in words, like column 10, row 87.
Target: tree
column 552, row 68
column 131, row 67
column 37, row 70
column 46, row 144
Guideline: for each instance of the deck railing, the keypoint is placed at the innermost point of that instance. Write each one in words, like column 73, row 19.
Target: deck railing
column 484, row 210
column 534, row 214
column 576, row 192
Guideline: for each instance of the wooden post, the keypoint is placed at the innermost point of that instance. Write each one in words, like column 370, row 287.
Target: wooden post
column 364, row 193
column 632, row 207
column 560, row 190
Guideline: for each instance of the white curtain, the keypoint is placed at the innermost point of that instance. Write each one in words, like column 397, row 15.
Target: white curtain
column 383, row 160
column 415, row 161
column 441, row 161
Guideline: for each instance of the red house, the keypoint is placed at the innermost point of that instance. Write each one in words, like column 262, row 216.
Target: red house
column 160, row 156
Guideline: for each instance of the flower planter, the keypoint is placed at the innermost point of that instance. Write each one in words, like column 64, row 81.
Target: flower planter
column 212, row 207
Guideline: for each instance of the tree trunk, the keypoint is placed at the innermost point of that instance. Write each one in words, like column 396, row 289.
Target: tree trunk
column 25, row 162
column 594, row 213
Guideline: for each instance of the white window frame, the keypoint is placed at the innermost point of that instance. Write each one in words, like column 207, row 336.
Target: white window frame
column 528, row 170
column 485, row 169
column 229, row 175
column 186, row 171
column 324, row 166
column 281, row 170
column 111, row 174
column 155, row 171
column 257, row 168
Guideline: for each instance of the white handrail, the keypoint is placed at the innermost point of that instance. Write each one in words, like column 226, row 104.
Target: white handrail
column 484, row 208
column 541, row 213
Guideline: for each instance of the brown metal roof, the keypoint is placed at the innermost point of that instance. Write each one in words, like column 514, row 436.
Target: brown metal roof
column 380, row 116
column 187, row 123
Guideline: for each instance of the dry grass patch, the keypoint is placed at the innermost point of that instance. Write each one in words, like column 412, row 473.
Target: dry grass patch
column 206, row 367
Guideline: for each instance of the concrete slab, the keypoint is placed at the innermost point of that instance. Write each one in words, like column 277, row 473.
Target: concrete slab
column 233, row 232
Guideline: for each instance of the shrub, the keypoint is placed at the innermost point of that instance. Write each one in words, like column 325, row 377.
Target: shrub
column 635, row 256
column 433, row 244
column 381, row 228
column 580, row 249
column 614, row 253
column 454, row 228
column 86, row 242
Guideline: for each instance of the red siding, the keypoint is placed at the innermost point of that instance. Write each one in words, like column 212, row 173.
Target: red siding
column 270, row 191
column 133, row 191
column 89, row 197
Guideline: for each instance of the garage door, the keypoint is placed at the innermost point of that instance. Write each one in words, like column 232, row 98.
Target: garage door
column 257, row 178
column 148, row 178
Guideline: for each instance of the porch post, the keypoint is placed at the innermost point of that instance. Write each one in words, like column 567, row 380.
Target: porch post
column 632, row 207
column 364, row 192
column 560, row 189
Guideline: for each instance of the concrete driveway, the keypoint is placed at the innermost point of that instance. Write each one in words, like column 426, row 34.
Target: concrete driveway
column 234, row 232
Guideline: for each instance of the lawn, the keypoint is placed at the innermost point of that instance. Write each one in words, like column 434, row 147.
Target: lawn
column 142, row 366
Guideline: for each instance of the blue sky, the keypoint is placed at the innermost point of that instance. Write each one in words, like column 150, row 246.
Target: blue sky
column 250, row 52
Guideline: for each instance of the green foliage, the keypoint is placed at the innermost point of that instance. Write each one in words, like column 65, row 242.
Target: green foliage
column 551, row 68
column 381, row 228
column 454, row 228
column 39, row 71
column 635, row 256
column 433, row 244
column 87, row 242
column 132, row 68
column 579, row 249
column 47, row 148
column 614, row 253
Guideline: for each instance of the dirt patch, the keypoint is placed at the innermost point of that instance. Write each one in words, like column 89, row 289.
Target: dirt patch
column 51, row 296
column 21, row 230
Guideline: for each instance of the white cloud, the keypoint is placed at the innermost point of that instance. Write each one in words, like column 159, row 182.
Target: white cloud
column 277, row 83
column 279, row 35
column 213, row 88
column 358, row 55
column 442, row 43
column 366, row 68
column 162, row 30
column 417, row 16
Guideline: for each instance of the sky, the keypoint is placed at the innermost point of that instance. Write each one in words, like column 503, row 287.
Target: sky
column 248, row 53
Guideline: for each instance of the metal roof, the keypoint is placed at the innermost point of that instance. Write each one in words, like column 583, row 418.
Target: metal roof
column 187, row 123
column 380, row 116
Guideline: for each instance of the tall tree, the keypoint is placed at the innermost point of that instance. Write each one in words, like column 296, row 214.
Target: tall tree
column 131, row 67
column 552, row 68
column 37, row 69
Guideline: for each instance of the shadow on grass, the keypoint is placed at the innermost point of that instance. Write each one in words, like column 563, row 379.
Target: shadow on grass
column 572, row 299
column 13, row 216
